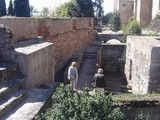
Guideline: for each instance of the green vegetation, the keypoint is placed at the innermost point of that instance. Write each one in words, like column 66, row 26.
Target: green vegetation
column 107, row 18
column 142, row 117
column 115, row 22
column 68, row 105
column 11, row 9
column 86, row 8
column 33, row 10
column 22, row 8
column 132, row 28
column 74, row 8
column 153, row 29
column 68, row 9
column 2, row 8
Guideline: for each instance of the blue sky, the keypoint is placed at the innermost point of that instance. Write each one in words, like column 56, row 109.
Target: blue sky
column 39, row 4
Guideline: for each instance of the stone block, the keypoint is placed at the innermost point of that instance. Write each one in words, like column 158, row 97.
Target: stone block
column 144, row 53
column 36, row 62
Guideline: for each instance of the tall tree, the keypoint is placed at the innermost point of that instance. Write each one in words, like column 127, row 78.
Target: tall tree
column 11, row 9
column 2, row 8
column 86, row 8
column 22, row 8
column 73, row 9
column 115, row 22
column 68, row 9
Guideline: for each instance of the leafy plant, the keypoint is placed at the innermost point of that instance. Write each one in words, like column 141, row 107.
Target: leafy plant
column 68, row 105
column 142, row 117
column 132, row 28
column 115, row 22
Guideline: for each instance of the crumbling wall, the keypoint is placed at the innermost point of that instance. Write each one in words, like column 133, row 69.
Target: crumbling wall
column 67, row 35
column 144, row 12
column 6, row 43
column 126, row 8
column 113, row 58
column 142, row 64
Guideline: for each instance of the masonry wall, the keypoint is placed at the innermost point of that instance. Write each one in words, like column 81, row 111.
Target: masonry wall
column 67, row 35
column 113, row 58
column 144, row 12
column 142, row 64
column 126, row 8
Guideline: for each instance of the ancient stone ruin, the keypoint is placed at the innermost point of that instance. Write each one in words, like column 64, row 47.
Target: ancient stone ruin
column 6, row 43
column 142, row 64
column 30, row 59
column 143, row 10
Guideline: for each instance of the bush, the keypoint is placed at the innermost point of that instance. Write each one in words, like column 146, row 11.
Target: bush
column 82, row 106
column 141, row 116
column 106, row 18
column 132, row 28
column 115, row 22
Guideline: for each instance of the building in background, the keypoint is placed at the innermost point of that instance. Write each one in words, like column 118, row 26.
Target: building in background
column 143, row 10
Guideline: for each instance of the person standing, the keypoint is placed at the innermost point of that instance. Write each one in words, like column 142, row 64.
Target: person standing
column 73, row 75
column 98, row 82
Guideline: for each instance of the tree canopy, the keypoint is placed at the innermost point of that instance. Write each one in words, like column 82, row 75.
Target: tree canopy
column 75, row 8
column 22, row 8
column 2, row 8
column 10, row 8
column 86, row 8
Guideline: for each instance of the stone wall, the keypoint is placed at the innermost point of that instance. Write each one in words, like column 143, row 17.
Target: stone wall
column 144, row 12
column 6, row 43
column 67, row 35
column 112, row 58
column 142, row 64
column 126, row 8
column 36, row 62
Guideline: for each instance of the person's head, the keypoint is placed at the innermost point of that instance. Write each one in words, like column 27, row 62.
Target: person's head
column 100, row 71
column 74, row 64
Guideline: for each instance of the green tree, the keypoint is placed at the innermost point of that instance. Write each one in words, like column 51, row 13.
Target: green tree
column 22, row 8
column 33, row 10
column 2, row 8
column 73, row 10
column 45, row 12
column 115, row 22
column 133, row 28
column 107, row 18
column 86, row 8
column 61, row 11
column 68, row 9
column 11, row 9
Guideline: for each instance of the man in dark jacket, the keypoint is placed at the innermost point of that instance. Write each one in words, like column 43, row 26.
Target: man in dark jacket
column 98, row 82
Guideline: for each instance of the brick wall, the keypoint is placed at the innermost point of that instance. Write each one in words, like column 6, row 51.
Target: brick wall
column 67, row 35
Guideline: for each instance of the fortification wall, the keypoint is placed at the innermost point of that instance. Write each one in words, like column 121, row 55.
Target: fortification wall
column 67, row 35
column 142, row 64
column 144, row 12
column 126, row 8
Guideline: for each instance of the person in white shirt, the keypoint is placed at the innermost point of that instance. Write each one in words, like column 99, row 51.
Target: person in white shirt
column 73, row 75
